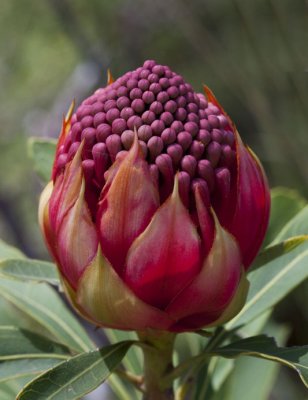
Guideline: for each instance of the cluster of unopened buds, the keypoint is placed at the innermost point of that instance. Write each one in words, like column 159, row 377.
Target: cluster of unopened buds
column 156, row 208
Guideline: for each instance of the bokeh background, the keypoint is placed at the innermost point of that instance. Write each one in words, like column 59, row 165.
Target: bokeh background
column 253, row 54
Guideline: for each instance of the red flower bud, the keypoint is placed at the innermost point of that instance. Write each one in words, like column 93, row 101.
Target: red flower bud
column 156, row 208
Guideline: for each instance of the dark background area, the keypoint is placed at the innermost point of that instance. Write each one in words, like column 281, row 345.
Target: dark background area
column 253, row 55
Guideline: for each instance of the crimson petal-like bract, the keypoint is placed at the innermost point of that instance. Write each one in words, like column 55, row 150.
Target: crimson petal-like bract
column 165, row 256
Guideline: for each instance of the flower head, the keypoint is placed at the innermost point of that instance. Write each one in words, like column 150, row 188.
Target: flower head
column 156, row 208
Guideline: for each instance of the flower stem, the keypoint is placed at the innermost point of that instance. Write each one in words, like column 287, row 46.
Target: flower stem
column 157, row 363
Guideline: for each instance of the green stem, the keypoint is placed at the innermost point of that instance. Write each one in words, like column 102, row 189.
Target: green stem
column 157, row 363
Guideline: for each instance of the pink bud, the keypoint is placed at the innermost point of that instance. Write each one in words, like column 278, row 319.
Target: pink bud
column 156, row 208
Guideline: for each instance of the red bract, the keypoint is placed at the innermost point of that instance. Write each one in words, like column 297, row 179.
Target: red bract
column 156, row 208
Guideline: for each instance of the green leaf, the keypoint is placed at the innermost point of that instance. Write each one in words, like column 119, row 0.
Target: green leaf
column 26, row 269
column 256, row 326
column 6, row 391
column 41, row 303
column 10, row 388
column 286, row 203
column 265, row 347
column 14, row 369
column 42, row 152
column 220, row 368
column 19, row 343
column 249, row 375
column 77, row 376
column 274, row 280
column 271, row 283
column 12, row 316
column 7, row 251
column 298, row 225
column 277, row 250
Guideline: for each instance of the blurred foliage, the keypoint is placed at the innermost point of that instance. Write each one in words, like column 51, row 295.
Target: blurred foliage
column 252, row 54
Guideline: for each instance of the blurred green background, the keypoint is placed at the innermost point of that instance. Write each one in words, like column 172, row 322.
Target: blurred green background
column 253, row 55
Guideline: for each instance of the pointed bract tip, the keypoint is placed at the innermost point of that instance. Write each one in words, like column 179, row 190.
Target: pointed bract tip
column 136, row 149
column 210, row 95
column 66, row 124
column 70, row 111
column 212, row 99
column 110, row 78
column 175, row 191
column 77, row 156
column 76, row 161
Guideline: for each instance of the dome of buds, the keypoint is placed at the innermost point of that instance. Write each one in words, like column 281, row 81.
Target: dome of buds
column 178, row 130
column 156, row 208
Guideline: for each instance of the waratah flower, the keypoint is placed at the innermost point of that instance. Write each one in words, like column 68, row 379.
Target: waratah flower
column 156, row 208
